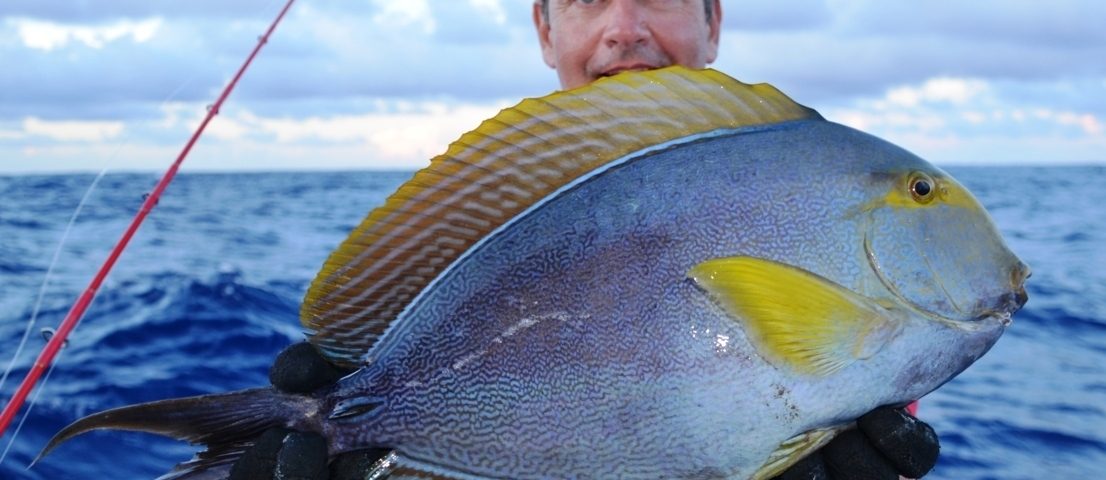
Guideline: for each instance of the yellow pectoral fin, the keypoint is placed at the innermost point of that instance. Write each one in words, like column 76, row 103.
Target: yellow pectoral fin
column 794, row 317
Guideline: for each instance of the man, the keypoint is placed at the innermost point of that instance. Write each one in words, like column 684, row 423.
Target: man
column 584, row 40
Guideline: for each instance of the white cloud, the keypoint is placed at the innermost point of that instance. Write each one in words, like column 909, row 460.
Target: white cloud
column 957, row 91
column 73, row 131
column 172, row 113
column 48, row 36
column 870, row 120
column 492, row 8
column 227, row 129
column 405, row 137
column 406, row 133
column 975, row 117
column 404, row 15
column 1088, row 123
column 961, row 120
column 1004, row 149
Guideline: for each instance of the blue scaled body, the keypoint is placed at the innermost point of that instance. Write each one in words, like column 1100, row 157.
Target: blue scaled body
column 573, row 343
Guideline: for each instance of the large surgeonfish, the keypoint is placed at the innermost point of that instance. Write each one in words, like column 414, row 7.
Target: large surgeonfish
column 665, row 274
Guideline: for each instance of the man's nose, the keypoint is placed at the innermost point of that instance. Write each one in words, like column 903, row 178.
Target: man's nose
column 626, row 23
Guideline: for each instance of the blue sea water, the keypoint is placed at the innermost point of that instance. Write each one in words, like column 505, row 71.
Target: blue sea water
column 209, row 290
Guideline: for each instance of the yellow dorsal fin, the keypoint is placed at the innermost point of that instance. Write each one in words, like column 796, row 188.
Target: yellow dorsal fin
column 795, row 318
column 498, row 170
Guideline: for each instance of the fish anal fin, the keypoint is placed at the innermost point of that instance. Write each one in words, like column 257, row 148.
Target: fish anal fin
column 214, row 462
column 796, row 448
column 794, row 317
column 395, row 466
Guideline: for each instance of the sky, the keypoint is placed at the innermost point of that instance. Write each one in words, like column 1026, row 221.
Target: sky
column 387, row 84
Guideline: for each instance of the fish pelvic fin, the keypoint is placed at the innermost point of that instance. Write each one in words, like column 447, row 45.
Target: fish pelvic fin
column 795, row 318
column 228, row 420
column 499, row 170
column 796, row 448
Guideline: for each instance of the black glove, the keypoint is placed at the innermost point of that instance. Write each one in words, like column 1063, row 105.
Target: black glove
column 290, row 455
column 888, row 443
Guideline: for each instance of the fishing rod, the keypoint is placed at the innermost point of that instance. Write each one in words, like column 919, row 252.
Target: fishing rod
column 77, row 311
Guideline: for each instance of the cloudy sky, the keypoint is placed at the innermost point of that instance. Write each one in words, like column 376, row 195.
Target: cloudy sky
column 386, row 84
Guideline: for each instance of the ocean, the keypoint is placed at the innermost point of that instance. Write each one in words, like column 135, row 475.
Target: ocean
column 209, row 291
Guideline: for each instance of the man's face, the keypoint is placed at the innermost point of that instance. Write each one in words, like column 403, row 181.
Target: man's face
column 588, row 39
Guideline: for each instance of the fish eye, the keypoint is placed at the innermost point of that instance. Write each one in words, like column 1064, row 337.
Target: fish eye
column 922, row 188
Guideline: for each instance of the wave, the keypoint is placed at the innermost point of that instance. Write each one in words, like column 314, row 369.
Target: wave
column 159, row 336
column 170, row 335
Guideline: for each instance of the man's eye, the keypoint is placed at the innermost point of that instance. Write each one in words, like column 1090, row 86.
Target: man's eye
column 567, row 3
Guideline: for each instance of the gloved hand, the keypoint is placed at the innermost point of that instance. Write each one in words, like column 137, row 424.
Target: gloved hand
column 290, row 455
column 888, row 443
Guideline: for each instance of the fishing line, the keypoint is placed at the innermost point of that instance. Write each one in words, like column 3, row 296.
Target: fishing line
column 27, row 413
column 50, row 351
column 46, row 281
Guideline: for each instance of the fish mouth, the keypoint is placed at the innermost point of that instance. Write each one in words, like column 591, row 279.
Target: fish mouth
column 1007, row 304
column 1002, row 312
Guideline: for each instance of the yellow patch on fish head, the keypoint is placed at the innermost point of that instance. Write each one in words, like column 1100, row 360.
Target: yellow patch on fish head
column 917, row 189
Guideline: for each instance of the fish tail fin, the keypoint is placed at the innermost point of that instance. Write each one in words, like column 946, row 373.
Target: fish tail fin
column 220, row 420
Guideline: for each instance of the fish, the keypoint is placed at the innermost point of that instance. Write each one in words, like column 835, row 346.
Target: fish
column 664, row 274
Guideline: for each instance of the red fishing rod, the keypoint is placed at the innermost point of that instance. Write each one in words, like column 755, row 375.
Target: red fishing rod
column 77, row 311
